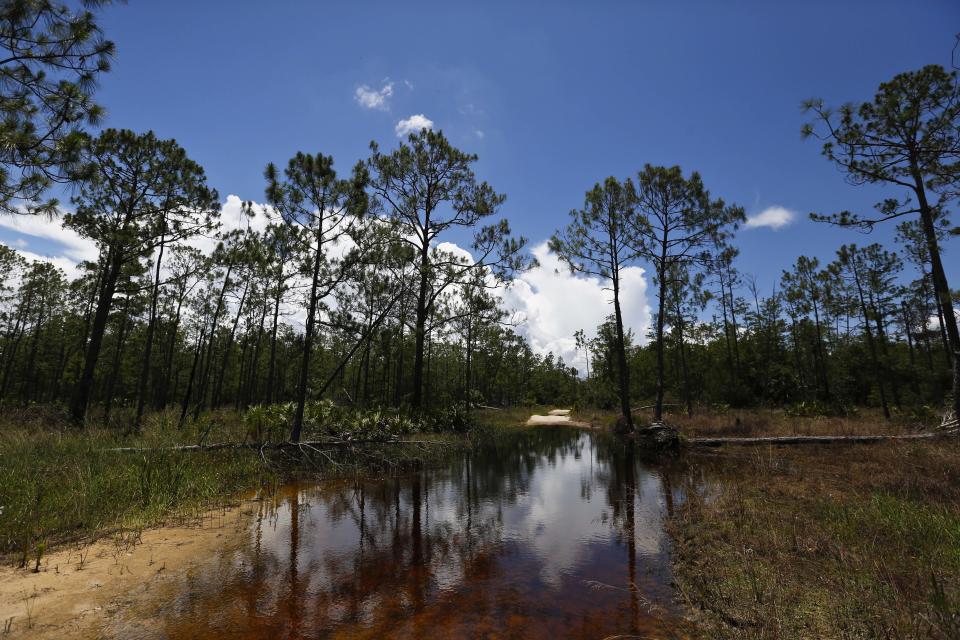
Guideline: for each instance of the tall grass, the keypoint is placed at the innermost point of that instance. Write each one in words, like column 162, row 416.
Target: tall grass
column 833, row 542
column 59, row 483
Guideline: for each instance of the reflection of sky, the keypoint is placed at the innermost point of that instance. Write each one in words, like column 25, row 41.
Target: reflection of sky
column 558, row 518
column 560, row 524
column 536, row 540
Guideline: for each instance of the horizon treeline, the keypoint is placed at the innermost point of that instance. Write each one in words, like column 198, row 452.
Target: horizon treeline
column 357, row 303
column 339, row 286
column 830, row 337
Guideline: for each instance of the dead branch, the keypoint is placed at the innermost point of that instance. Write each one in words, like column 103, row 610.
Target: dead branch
column 272, row 446
column 795, row 440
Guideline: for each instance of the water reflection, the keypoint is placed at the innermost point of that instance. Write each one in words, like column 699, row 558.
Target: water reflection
column 555, row 534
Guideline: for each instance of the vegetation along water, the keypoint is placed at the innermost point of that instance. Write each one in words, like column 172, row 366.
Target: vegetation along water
column 357, row 403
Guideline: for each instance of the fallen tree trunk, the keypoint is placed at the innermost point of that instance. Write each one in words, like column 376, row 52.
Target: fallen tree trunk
column 651, row 406
column 794, row 440
column 269, row 446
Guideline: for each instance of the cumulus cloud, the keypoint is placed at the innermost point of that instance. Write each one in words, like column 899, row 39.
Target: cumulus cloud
column 50, row 241
column 773, row 217
column 232, row 218
column 413, row 124
column 68, row 266
column 554, row 304
column 372, row 99
column 550, row 302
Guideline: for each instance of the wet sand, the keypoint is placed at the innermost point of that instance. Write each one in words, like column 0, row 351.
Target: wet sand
column 81, row 588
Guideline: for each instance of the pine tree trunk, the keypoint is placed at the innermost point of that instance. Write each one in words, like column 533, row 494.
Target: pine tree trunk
column 148, row 347
column 271, row 379
column 416, row 399
column 193, row 375
column 941, row 287
column 870, row 343
column 115, row 367
column 307, row 344
column 81, row 398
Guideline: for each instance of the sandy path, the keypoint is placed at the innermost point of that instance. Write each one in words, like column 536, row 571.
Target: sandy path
column 71, row 601
column 556, row 418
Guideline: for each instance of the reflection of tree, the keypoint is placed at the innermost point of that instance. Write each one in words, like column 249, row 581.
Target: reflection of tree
column 293, row 601
column 622, row 467
column 422, row 552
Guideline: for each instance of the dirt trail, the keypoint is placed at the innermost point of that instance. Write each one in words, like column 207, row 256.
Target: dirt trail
column 80, row 589
column 556, row 418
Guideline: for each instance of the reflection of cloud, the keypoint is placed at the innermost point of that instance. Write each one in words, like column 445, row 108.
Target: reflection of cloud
column 554, row 517
column 536, row 533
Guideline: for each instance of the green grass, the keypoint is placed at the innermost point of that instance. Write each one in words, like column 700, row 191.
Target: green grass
column 833, row 542
column 58, row 483
column 880, row 520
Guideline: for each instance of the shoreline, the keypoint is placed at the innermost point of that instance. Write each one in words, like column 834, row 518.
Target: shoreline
column 81, row 588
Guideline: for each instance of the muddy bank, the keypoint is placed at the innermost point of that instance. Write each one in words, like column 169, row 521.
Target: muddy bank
column 81, row 588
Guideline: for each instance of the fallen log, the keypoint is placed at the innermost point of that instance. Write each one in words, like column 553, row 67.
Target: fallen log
column 269, row 446
column 795, row 440
column 651, row 406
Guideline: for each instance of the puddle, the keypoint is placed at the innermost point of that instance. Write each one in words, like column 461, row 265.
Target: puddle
column 558, row 534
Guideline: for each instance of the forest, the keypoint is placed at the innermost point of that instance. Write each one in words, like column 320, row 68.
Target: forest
column 350, row 322
column 345, row 289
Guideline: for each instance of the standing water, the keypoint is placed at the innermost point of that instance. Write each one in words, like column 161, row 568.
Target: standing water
column 557, row 534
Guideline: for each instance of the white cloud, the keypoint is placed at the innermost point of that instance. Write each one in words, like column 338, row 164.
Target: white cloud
column 413, row 124
column 68, row 266
column 66, row 248
column 480, row 134
column 65, row 240
column 470, row 109
column 58, row 244
column 457, row 251
column 773, row 217
column 232, row 218
column 555, row 304
column 372, row 99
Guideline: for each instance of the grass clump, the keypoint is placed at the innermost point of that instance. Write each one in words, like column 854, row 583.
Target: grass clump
column 838, row 542
column 60, row 484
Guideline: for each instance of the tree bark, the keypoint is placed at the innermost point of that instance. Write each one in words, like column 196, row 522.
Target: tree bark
column 870, row 343
column 307, row 343
column 416, row 399
column 81, row 398
column 148, row 347
column 941, row 287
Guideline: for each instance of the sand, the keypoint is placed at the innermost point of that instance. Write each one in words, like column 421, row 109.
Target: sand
column 80, row 588
column 556, row 418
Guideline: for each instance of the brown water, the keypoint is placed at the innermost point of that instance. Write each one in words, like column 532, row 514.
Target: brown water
column 558, row 534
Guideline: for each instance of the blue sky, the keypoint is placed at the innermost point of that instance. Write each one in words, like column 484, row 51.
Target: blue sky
column 552, row 96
